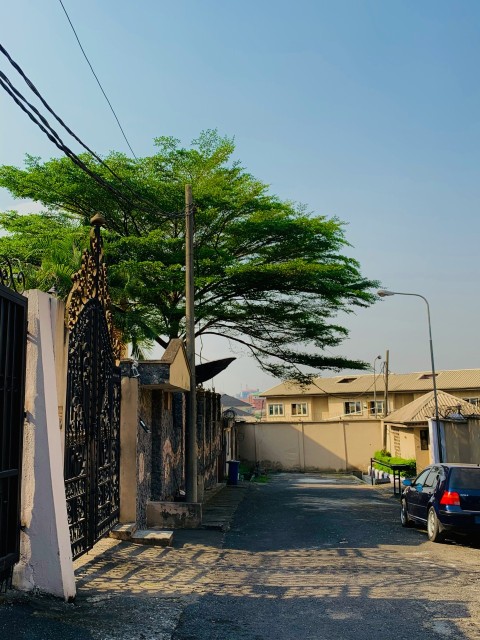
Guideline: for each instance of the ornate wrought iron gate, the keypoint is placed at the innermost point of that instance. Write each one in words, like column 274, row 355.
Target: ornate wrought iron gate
column 13, row 341
column 92, row 410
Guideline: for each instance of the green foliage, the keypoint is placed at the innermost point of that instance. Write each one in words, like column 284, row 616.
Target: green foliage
column 246, row 469
column 49, row 248
column 269, row 275
column 387, row 458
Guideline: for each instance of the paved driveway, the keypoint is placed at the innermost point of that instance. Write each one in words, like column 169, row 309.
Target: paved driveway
column 308, row 557
column 316, row 558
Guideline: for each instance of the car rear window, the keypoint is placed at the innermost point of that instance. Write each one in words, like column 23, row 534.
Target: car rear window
column 465, row 478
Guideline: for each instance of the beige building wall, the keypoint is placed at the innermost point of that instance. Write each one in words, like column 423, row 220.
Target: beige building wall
column 336, row 406
column 400, row 441
column 286, row 408
column 325, row 446
column 399, row 400
column 329, row 407
column 319, row 408
column 467, row 394
column 422, row 456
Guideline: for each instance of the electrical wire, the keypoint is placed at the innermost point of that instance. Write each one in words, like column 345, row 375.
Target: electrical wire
column 55, row 138
column 51, row 134
column 34, row 89
column 98, row 81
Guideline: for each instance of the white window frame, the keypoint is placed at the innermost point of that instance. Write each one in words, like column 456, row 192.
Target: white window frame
column 380, row 407
column 275, row 409
column 475, row 401
column 358, row 408
column 299, row 408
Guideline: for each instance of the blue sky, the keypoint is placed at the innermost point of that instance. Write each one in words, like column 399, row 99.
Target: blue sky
column 364, row 110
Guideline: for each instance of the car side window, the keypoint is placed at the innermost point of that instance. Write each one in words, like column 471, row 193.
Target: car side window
column 431, row 479
column 422, row 477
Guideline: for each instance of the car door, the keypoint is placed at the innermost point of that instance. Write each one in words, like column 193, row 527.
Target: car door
column 425, row 495
column 415, row 491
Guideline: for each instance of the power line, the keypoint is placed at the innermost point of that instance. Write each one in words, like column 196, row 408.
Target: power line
column 34, row 89
column 55, row 138
column 41, row 122
column 98, row 81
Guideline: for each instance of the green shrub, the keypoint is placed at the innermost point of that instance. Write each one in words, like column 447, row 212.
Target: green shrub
column 387, row 458
column 246, row 469
column 261, row 479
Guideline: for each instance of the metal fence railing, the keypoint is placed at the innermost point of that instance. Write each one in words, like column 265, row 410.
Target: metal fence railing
column 396, row 471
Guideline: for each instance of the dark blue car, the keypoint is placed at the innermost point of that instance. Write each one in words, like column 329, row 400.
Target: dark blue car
column 443, row 497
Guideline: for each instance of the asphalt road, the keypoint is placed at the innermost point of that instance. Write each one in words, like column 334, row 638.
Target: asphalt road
column 308, row 557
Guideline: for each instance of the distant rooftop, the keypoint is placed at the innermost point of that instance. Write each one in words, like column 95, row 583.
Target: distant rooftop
column 231, row 402
column 397, row 382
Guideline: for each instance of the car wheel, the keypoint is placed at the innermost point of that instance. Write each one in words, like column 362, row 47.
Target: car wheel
column 404, row 517
column 434, row 528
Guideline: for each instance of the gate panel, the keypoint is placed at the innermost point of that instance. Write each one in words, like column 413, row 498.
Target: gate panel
column 92, row 417
column 13, row 340
column 108, row 442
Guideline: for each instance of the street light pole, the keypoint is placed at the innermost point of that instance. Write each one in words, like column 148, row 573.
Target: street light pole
column 383, row 294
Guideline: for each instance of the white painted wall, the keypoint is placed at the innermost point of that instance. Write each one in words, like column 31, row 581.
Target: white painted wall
column 45, row 554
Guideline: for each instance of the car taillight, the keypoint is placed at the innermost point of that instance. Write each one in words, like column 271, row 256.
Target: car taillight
column 451, row 498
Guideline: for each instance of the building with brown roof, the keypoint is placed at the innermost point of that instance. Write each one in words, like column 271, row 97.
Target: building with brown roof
column 363, row 396
column 408, row 432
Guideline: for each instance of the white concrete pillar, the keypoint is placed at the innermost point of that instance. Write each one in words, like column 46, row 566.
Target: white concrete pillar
column 45, row 553
column 436, row 448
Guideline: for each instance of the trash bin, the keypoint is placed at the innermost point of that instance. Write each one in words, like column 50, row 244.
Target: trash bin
column 233, row 467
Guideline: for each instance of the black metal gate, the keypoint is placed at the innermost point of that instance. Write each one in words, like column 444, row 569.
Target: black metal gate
column 13, row 341
column 92, row 419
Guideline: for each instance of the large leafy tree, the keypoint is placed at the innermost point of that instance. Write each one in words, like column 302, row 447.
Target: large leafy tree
column 269, row 275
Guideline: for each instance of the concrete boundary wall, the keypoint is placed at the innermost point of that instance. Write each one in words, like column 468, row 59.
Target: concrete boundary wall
column 311, row 446
column 45, row 554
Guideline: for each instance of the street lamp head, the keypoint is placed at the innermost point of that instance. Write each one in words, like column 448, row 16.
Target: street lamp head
column 383, row 293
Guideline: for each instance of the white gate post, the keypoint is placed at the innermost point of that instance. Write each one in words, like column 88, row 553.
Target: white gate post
column 45, row 553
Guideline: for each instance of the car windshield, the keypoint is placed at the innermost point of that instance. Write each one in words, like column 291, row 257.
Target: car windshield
column 465, row 478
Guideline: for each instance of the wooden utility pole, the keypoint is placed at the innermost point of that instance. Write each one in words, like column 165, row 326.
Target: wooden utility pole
column 191, row 422
column 385, row 411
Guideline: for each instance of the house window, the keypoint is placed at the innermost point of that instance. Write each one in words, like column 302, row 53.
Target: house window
column 474, row 401
column 353, row 407
column 299, row 409
column 424, row 439
column 371, row 407
column 275, row 409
